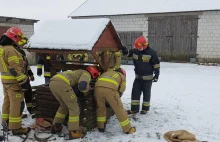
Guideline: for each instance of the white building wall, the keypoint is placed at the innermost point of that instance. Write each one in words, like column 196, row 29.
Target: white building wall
column 27, row 29
column 130, row 23
column 28, row 32
column 127, row 23
column 208, row 44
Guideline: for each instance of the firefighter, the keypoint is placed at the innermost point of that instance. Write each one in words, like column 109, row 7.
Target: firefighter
column 116, row 62
column 41, row 63
column 14, row 80
column 146, row 64
column 68, row 100
column 29, row 73
column 109, row 87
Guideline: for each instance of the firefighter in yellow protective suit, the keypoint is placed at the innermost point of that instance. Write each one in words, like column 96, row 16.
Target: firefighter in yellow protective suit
column 13, row 79
column 115, row 63
column 109, row 87
column 61, row 85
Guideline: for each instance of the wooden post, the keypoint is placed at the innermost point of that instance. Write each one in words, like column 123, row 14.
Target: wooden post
column 52, row 68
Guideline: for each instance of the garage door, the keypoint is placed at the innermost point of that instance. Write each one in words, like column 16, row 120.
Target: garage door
column 174, row 37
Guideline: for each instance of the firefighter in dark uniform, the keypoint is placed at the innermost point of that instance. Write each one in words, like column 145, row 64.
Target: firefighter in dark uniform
column 41, row 63
column 147, row 69
column 29, row 73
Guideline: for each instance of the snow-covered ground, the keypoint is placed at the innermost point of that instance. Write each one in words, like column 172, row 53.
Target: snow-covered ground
column 187, row 96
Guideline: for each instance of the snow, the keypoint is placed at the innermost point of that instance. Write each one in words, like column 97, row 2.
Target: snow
column 118, row 7
column 185, row 97
column 71, row 34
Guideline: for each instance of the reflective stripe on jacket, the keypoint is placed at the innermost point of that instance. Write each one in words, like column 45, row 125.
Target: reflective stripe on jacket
column 113, row 80
column 11, row 65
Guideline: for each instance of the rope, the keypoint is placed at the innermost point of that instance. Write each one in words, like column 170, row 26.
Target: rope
column 42, row 139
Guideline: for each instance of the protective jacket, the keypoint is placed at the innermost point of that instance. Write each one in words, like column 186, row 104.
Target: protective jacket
column 112, row 80
column 146, row 63
column 11, row 65
column 81, row 78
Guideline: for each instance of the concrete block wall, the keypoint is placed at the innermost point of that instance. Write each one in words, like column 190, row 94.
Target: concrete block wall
column 127, row 23
column 208, row 45
column 27, row 29
column 28, row 32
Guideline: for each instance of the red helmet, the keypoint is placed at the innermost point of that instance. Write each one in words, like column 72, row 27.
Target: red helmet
column 140, row 42
column 15, row 34
column 93, row 71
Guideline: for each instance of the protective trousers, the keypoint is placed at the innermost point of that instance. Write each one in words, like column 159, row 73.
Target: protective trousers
column 13, row 96
column 68, row 104
column 47, row 80
column 103, row 94
column 28, row 99
column 140, row 86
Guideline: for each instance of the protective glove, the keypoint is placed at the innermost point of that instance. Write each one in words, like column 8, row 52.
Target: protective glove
column 124, row 50
column 39, row 72
column 155, row 78
column 31, row 78
column 76, row 90
column 24, row 85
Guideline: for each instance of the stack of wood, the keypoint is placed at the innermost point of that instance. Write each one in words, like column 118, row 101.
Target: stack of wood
column 46, row 105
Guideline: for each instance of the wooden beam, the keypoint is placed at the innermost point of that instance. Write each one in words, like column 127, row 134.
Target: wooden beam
column 53, row 51
column 105, row 49
column 105, row 60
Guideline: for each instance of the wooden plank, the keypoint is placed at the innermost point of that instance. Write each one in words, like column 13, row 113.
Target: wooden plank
column 44, row 108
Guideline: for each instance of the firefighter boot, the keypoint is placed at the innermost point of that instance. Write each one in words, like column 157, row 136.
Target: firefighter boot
column 21, row 131
column 76, row 134
column 132, row 130
column 24, row 116
column 57, row 128
column 131, row 112
column 143, row 112
column 102, row 130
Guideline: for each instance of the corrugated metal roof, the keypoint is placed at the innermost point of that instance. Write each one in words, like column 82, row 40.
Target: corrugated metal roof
column 122, row 7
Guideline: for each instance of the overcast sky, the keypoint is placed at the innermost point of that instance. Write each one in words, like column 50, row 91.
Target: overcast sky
column 39, row 9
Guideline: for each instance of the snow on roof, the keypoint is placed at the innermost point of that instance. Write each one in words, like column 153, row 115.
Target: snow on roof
column 119, row 7
column 71, row 34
